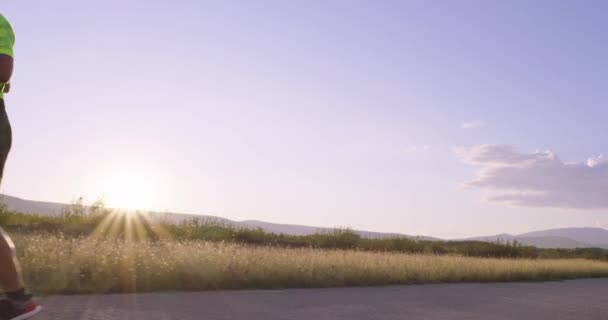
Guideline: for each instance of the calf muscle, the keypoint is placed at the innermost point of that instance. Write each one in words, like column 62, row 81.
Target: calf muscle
column 9, row 268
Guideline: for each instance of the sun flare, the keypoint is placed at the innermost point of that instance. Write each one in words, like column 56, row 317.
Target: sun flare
column 131, row 189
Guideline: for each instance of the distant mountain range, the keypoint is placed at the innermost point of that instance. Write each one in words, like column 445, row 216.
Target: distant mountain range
column 553, row 238
column 556, row 238
column 53, row 208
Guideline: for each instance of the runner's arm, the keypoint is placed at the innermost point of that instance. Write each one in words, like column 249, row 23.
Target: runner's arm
column 6, row 68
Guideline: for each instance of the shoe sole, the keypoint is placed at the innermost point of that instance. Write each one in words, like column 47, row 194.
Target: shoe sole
column 29, row 314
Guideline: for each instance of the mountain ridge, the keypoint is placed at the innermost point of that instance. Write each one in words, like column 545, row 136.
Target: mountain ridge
column 567, row 238
column 54, row 208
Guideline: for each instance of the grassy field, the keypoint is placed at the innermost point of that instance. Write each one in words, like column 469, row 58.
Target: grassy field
column 96, row 250
column 77, row 221
column 56, row 264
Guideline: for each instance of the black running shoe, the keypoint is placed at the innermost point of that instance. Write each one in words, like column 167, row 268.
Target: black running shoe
column 10, row 310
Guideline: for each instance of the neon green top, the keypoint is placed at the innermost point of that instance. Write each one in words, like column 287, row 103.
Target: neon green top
column 7, row 41
column 7, row 37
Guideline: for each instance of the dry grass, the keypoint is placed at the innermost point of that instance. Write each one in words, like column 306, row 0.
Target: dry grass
column 54, row 264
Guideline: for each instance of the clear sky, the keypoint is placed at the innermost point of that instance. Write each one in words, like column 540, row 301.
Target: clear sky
column 420, row 117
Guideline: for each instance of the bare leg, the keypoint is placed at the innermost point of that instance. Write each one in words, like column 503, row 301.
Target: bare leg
column 10, row 277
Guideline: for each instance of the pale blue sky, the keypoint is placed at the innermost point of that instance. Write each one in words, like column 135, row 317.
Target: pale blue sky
column 329, row 113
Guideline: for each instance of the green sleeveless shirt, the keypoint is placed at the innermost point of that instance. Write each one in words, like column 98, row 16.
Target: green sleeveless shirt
column 7, row 41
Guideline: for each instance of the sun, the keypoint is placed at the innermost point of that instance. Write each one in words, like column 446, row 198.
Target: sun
column 132, row 189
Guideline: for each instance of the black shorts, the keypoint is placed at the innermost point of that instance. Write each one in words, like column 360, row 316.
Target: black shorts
column 6, row 137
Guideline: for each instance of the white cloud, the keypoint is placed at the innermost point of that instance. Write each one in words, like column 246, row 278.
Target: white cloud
column 592, row 162
column 472, row 124
column 538, row 179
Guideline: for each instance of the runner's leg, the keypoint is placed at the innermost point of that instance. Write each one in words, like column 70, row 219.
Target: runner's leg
column 9, row 268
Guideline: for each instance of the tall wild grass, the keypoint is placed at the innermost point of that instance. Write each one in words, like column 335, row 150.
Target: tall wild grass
column 56, row 264
column 96, row 250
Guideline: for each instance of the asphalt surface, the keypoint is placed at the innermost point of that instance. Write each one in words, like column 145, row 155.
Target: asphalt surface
column 577, row 300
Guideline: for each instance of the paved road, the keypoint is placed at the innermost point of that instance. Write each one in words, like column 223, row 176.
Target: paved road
column 577, row 300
